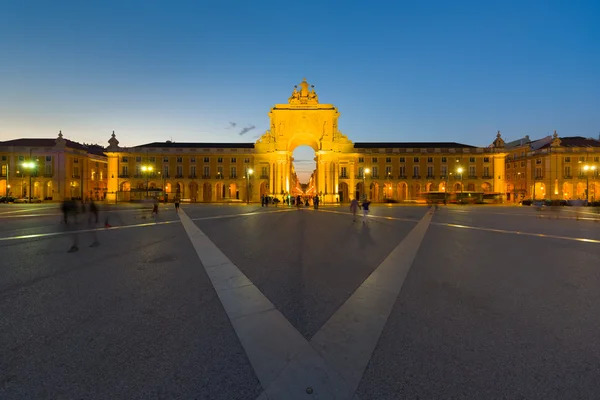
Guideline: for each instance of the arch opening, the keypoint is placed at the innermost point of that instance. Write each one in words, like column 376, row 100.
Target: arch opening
column 303, row 174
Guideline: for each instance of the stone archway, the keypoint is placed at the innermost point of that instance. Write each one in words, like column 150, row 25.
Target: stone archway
column 402, row 191
column 343, row 193
column 360, row 191
column 193, row 192
column 207, row 192
column 263, row 189
column 303, row 121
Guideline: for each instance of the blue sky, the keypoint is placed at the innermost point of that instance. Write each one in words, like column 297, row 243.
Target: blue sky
column 397, row 71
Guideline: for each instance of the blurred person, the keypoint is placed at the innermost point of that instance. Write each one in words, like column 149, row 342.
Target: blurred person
column 365, row 207
column 93, row 221
column 70, row 211
column 354, row 209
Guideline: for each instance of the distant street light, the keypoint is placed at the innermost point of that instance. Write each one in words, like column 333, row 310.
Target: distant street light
column 147, row 169
column 30, row 166
column 587, row 169
column 460, row 170
column 366, row 171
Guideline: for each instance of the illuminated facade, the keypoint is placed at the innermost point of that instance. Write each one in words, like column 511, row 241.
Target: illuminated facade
column 553, row 168
column 56, row 169
column 394, row 171
column 205, row 172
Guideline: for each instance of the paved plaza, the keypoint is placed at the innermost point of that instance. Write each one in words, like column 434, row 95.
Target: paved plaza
column 245, row 302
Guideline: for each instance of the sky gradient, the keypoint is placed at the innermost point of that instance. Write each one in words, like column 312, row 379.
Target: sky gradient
column 397, row 71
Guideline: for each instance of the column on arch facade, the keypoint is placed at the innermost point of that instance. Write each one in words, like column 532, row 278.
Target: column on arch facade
column 320, row 176
column 352, row 188
column 336, row 179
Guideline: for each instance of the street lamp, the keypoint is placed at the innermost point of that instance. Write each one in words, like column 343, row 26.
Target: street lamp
column 7, row 185
column 248, row 173
column 587, row 169
column 366, row 171
column 30, row 166
column 460, row 170
column 147, row 169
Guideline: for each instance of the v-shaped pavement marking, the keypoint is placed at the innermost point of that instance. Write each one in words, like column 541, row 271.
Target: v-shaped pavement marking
column 288, row 366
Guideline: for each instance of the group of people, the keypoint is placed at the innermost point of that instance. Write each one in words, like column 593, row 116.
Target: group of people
column 74, row 213
column 354, row 206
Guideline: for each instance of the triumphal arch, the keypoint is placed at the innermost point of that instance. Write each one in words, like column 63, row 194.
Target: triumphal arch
column 304, row 121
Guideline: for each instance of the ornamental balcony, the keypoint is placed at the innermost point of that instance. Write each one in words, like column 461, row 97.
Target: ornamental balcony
column 416, row 177
column 179, row 176
column 343, row 177
column 264, row 177
column 76, row 176
column 401, row 176
column 192, row 176
column 430, row 176
column 567, row 177
column 205, row 176
column 50, row 175
column 123, row 175
column 219, row 176
column 233, row 176
column 486, row 177
column 539, row 178
column 472, row 177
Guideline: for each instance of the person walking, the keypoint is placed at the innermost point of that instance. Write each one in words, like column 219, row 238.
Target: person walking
column 69, row 209
column 177, row 204
column 93, row 221
column 354, row 209
column 155, row 208
column 365, row 207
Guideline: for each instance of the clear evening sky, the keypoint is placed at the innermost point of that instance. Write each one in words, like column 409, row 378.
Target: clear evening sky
column 397, row 71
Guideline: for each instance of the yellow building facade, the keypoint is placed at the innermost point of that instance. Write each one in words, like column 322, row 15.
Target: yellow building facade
column 207, row 172
column 52, row 169
column 552, row 167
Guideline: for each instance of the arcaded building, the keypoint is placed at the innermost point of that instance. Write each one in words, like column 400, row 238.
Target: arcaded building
column 552, row 167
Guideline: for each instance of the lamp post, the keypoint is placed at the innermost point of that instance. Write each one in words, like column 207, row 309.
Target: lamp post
column 460, row 170
column 162, row 184
column 366, row 171
column 7, row 185
column 147, row 169
column 29, row 166
column 248, row 173
column 587, row 169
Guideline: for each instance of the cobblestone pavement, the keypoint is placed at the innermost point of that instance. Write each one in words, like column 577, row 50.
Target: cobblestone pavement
column 494, row 302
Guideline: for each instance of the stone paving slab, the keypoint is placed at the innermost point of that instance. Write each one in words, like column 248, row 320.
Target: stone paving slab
column 488, row 316
column 307, row 263
column 135, row 318
column 525, row 222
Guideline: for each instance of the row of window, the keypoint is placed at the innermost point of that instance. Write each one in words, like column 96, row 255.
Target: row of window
column 193, row 171
column 539, row 174
column 416, row 171
column 418, row 159
column 566, row 159
column 125, row 159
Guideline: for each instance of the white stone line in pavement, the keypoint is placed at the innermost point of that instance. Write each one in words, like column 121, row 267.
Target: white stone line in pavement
column 248, row 214
column 67, row 232
column 542, row 235
column 348, row 338
column 370, row 216
column 284, row 362
column 112, row 228
column 450, row 225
